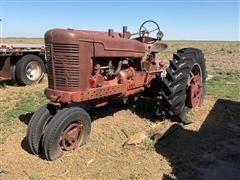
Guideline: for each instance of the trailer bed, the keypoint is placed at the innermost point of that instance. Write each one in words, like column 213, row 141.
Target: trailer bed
column 8, row 49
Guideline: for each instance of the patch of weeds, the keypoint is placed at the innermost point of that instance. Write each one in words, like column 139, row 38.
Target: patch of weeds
column 152, row 131
column 224, row 84
column 34, row 177
column 147, row 144
column 189, row 112
column 3, row 170
column 134, row 177
column 216, row 78
column 25, row 105
column 214, row 66
column 2, row 140
column 222, row 49
column 159, row 127
column 131, row 177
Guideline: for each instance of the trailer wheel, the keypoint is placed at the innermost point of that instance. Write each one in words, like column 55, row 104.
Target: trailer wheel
column 184, row 84
column 37, row 126
column 69, row 129
column 29, row 69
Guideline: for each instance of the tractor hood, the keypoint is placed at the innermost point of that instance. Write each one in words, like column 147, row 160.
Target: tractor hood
column 104, row 44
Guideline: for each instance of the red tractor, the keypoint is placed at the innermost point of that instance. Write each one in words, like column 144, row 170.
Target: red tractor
column 94, row 68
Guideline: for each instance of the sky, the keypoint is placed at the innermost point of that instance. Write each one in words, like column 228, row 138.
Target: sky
column 179, row 20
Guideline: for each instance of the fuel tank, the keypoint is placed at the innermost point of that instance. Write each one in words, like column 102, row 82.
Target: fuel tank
column 104, row 44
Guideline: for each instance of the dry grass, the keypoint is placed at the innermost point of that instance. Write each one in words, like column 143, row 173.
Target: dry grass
column 22, row 40
column 219, row 55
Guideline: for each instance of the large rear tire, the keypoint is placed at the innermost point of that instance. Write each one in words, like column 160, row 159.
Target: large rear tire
column 184, row 84
column 36, row 127
column 29, row 69
column 69, row 129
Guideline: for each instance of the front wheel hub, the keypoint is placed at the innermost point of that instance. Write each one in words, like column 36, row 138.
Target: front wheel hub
column 71, row 136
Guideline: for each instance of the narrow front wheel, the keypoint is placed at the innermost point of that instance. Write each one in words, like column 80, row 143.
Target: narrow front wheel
column 69, row 129
column 37, row 127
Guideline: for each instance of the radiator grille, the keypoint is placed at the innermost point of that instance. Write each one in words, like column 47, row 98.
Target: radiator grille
column 63, row 65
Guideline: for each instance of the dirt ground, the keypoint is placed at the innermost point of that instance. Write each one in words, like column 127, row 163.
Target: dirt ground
column 209, row 148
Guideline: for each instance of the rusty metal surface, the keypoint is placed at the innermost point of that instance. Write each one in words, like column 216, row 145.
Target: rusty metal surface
column 158, row 47
column 103, row 44
column 194, row 90
column 90, row 94
column 64, row 64
column 71, row 136
column 90, row 65
column 5, row 69
column 20, row 49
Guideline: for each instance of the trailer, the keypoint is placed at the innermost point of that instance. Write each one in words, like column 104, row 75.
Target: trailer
column 23, row 63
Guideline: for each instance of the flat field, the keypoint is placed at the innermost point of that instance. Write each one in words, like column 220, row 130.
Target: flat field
column 209, row 148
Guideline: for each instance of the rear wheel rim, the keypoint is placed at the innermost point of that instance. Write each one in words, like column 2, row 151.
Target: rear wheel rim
column 71, row 136
column 33, row 71
column 194, row 86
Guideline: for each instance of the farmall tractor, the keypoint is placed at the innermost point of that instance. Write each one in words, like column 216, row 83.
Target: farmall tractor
column 94, row 68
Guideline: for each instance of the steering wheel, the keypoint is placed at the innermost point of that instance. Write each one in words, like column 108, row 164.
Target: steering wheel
column 145, row 32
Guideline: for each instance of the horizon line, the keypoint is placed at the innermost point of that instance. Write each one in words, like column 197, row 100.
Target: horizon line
column 161, row 40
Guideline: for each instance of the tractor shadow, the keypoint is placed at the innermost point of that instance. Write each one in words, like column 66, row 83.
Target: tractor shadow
column 25, row 118
column 141, row 108
column 25, row 146
column 213, row 152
